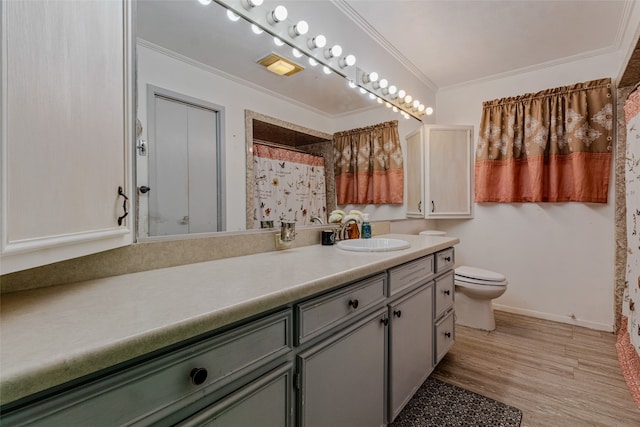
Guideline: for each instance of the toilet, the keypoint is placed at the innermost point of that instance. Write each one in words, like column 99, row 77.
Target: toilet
column 475, row 290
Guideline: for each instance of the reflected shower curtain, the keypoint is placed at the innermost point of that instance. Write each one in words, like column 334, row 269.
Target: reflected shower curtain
column 289, row 186
column 628, row 343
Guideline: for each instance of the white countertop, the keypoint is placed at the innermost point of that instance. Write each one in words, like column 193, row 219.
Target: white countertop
column 52, row 335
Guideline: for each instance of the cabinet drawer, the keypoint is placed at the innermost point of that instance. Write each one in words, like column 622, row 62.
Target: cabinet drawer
column 444, row 260
column 149, row 392
column 445, row 336
column 445, row 287
column 320, row 314
column 410, row 274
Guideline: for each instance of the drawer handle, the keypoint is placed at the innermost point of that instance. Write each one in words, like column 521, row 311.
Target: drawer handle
column 198, row 375
column 447, row 334
column 447, row 258
column 447, row 292
column 384, row 321
column 397, row 312
column 353, row 303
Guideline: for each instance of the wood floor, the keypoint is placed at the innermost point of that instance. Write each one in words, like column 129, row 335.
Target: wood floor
column 556, row 374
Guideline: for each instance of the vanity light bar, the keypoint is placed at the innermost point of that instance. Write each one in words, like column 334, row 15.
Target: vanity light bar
column 293, row 33
column 400, row 101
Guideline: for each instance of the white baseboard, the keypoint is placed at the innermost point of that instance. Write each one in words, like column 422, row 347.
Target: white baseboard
column 555, row 318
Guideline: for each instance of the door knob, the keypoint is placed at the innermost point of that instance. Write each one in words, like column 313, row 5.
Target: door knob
column 144, row 189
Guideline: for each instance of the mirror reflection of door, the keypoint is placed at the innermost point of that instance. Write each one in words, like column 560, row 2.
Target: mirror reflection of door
column 183, row 166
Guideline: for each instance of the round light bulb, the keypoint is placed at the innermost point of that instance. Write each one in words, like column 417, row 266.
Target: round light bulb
column 232, row 16
column 421, row 108
column 416, row 103
column 336, row 50
column 392, row 89
column 401, row 94
column 352, row 85
column 326, row 69
column 278, row 42
column 296, row 53
column 347, row 61
column 205, row 2
column 429, row 111
column 395, row 109
column 372, row 96
column 383, row 83
column 253, row 3
column 363, row 91
column 299, row 29
column 373, row 76
column 408, row 99
column 313, row 62
column 387, row 104
column 278, row 14
column 256, row 29
column 379, row 100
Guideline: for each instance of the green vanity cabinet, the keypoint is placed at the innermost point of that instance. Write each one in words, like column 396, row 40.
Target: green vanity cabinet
column 410, row 345
column 170, row 387
column 341, row 380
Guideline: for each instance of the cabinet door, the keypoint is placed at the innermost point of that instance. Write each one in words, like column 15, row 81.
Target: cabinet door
column 410, row 346
column 66, row 129
column 342, row 380
column 415, row 175
column 266, row 402
column 448, row 167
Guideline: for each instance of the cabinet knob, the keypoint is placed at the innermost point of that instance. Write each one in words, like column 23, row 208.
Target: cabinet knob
column 420, row 206
column 447, row 292
column 124, row 206
column 198, row 375
column 384, row 321
column 397, row 313
column 433, row 206
column 447, row 258
column 447, row 334
column 144, row 189
column 353, row 303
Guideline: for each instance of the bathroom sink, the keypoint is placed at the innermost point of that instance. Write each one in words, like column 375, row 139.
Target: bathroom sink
column 373, row 245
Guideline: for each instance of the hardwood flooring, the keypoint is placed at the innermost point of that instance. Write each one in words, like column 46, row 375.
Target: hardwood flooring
column 556, row 374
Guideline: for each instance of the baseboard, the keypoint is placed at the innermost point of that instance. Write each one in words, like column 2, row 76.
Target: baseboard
column 554, row 317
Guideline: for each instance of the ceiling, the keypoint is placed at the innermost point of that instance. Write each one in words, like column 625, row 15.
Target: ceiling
column 433, row 44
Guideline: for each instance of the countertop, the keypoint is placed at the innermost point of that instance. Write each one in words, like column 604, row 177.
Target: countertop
column 53, row 335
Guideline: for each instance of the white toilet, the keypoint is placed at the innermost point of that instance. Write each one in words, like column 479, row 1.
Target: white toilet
column 475, row 290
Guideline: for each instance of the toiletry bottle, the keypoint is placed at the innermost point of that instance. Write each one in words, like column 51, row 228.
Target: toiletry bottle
column 366, row 227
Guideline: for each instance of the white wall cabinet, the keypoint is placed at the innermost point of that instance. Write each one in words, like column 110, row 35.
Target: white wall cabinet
column 440, row 172
column 66, row 130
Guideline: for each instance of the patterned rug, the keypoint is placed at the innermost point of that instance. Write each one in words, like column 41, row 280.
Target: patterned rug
column 440, row 404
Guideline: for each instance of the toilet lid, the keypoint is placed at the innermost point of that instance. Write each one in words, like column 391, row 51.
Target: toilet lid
column 479, row 274
column 461, row 279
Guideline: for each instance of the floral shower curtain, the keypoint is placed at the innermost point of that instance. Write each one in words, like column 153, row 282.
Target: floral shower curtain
column 551, row 146
column 368, row 165
column 628, row 343
column 289, row 186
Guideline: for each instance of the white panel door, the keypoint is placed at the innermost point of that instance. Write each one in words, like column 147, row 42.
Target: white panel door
column 183, row 171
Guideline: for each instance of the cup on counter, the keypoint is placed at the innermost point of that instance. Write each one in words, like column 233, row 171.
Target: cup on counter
column 328, row 237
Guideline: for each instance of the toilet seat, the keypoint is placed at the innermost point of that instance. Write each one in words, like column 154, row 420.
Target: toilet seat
column 479, row 276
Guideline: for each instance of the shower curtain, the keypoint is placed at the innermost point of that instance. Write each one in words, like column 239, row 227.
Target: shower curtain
column 628, row 341
column 289, row 186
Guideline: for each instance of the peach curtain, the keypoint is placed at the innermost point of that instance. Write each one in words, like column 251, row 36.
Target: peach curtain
column 550, row 146
column 368, row 165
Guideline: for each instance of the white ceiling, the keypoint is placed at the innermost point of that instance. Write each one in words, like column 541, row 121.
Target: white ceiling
column 437, row 43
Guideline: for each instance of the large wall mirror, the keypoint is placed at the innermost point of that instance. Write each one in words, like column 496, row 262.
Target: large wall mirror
column 194, row 53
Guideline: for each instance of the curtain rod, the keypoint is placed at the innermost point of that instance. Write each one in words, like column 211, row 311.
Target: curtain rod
column 284, row 147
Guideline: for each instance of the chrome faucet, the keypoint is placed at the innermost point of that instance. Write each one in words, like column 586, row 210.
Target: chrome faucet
column 316, row 218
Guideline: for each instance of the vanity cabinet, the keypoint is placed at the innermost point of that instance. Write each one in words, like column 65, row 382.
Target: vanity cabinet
column 341, row 381
column 67, row 114
column 440, row 172
column 169, row 388
column 410, row 346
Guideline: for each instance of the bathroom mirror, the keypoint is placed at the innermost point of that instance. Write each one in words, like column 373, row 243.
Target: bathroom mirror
column 176, row 34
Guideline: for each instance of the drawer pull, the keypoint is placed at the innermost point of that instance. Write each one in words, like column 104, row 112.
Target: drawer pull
column 397, row 313
column 384, row 321
column 353, row 303
column 447, row 334
column 447, row 292
column 198, row 375
column 447, row 258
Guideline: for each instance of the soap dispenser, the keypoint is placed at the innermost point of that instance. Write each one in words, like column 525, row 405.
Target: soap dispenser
column 366, row 227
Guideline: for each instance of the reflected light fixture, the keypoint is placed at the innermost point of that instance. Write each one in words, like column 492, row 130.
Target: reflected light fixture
column 402, row 94
column 326, row 69
column 429, row 111
column 279, row 65
column 296, row 53
column 256, row 29
column 352, row 85
column 278, row 42
column 205, row 2
column 232, row 16
column 312, row 62
column 248, row 4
